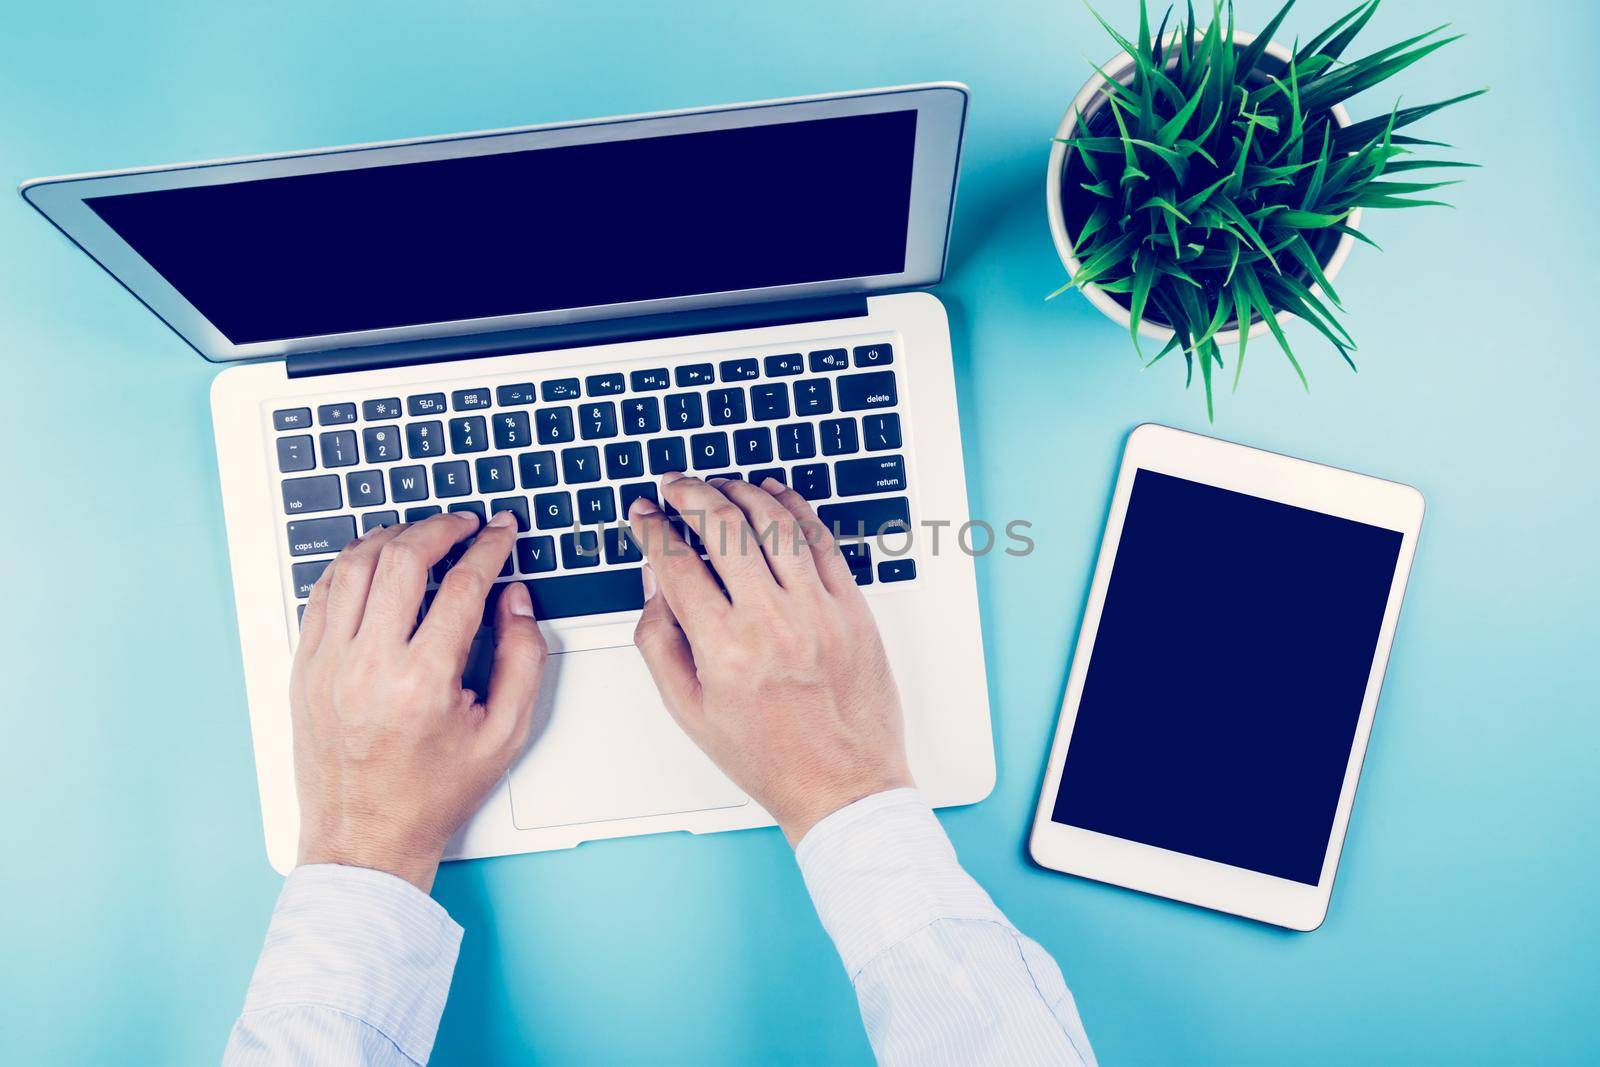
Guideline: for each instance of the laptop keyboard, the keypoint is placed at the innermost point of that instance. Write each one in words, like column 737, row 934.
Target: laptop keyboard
column 568, row 455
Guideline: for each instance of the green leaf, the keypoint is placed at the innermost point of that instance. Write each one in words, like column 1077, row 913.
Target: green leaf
column 1301, row 250
column 1173, row 127
column 1143, row 277
column 1325, row 39
column 1311, row 220
column 1233, row 214
column 1241, row 321
column 1256, row 49
column 1263, row 306
column 1358, row 133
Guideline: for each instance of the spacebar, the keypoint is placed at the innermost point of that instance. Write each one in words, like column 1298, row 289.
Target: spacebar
column 579, row 594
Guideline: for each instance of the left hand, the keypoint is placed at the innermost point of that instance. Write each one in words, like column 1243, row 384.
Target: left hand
column 391, row 754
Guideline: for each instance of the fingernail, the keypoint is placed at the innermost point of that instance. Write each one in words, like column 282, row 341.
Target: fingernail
column 470, row 516
column 772, row 485
column 647, row 577
column 502, row 518
column 518, row 602
column 642, row 505
column 671, row 476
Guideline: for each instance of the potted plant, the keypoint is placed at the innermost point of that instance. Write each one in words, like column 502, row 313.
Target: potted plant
column 1207, row 185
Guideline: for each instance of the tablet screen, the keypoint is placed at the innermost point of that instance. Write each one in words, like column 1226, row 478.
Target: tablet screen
column 1227, row 677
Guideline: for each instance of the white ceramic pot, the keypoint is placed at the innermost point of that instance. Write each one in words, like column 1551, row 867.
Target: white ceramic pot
column 1121, row 68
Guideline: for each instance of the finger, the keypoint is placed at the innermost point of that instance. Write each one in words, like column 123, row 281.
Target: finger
column 457, row 609
column 831, row 567
column 402, row 574
column 685, row 581
column 667, row 653
column 729, row 540
column 519, row 656
column 347, row 593
column 777, row 532
column 316, row 609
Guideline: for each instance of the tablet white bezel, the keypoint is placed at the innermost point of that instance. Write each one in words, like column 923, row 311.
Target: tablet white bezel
column 1273, row 477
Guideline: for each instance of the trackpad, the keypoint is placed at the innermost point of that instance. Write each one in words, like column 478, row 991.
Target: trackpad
column 604, row 748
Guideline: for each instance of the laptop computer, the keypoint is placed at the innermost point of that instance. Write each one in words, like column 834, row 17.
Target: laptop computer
column 544, row 320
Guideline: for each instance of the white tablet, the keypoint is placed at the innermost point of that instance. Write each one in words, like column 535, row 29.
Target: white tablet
column 1225, row 677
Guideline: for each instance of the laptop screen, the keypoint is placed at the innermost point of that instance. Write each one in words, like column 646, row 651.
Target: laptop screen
column 572, row 226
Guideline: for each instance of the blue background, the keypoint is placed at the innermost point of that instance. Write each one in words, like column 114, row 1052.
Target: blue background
column 1464, row 928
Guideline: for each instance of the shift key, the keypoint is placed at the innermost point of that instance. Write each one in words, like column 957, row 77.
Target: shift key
column 317, row 537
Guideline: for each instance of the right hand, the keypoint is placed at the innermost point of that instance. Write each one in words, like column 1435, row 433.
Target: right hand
column 782, row 680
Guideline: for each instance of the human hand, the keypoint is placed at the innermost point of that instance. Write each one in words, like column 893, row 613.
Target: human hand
column 391, row 755
column 783, row 680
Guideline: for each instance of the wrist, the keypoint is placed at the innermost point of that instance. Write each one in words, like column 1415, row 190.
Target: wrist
column 410, row 863
column 797, row 819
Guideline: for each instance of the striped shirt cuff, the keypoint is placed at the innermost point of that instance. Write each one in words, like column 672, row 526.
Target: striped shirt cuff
column 363, row 943
column 882, row 869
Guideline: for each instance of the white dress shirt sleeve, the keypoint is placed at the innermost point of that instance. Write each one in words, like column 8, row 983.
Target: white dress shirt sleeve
column 940, row 974
column 355, row 970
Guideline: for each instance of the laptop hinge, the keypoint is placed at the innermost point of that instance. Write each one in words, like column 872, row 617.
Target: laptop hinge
column 574, row 335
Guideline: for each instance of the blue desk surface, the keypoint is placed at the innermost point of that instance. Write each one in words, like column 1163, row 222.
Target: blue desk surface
column 136, row 890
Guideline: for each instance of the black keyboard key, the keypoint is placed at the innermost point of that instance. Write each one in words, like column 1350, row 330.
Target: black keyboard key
column 784, row 365
column 644, row 381
column 376, row 520
column 408, row 483
column 306, row 575
column 839, row 437
column 470, row 399
column 769, row 401
column 598, row 420
column 451, row 479
column 424, row 439
column 811, row 481
column 538, row 469
column 517, row 505
column 554, row 425
column 580, row 464
column 867, row 518
column 693, row 374
column 517, row 395
column 778, row 473
column 294, row 454
column 444, row 566
column 558, row 389
column 882, row 432
column 474, row 506
column 495, row 474
column 858, row 556
column 604, row 384
column 316, row 537
column 338, row 448
column 597, row 506
column 727, row 406
column 336, row 414
column 579, row 549
column 469, row 435
column 634, row 490
column 624, row 459
column 875, row 474
column 511, row 430
column 552, row 511
column 874, row 355
column 897, row 570
column 814, row 396
column 381, row 444
column 796, row 441
column 292, row 419
column 426, row 404
column 752, row 446
column 304, row 495
column 710, row 450
column 739, row 370
column 727, row 476
column 641, row 414
column 381, row 410
column 829, row 359
column 535, row 555
column 365, row 488
column 620, row 547
column 667, row 454
column 425, row 511
column 684, row 411
column 566, row 596
column 858, row 392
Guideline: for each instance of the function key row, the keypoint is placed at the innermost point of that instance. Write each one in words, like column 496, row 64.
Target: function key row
column 555, row 390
